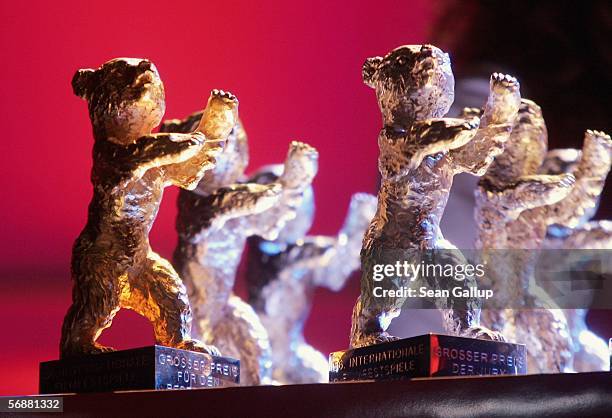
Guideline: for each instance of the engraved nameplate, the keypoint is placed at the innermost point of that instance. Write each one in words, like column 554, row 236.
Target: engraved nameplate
column 154, row 367
column 428, row 355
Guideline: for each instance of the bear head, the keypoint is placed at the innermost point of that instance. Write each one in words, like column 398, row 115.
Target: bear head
column 412, row 82
column 125, row 97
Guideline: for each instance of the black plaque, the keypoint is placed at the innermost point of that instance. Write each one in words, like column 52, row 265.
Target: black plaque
column 428, row 355
column 154, row 367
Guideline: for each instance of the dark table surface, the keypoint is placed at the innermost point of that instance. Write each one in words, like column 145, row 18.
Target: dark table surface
column 561, row 395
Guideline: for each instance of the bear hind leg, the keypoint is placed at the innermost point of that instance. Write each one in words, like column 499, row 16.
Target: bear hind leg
column 159, row 295
column 95, row 301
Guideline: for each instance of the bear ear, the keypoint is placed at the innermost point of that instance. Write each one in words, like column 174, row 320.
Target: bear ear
column 83, row 82
column 368, row 71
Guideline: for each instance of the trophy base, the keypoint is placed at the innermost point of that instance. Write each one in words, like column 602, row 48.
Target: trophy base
column 430, row 355
column 154, row 367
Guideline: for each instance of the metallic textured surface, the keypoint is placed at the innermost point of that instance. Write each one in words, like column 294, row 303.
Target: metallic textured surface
column 213, row 225
column 113, row 265
column 590, row 352
column 420, row 153
column 283, row 274
column 514, row 208
column 593, row 235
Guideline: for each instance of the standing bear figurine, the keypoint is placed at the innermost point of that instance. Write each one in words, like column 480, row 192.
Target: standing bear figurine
column 517, row 201
column 511, row 200
column 213, row 224
column 282, row 276
column 527, row 192
column 420, row 153
column 113, row 265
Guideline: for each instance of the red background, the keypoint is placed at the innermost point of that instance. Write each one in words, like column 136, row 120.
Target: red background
column 295, row 67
